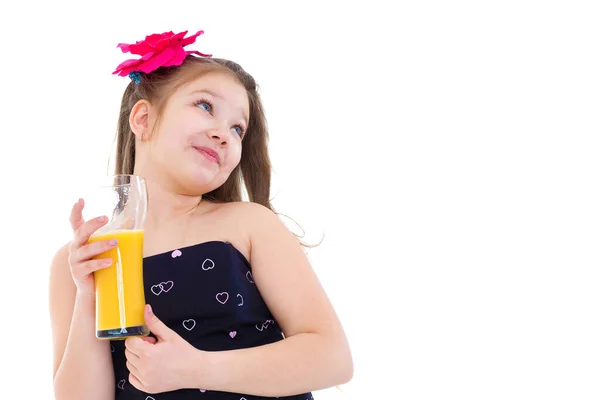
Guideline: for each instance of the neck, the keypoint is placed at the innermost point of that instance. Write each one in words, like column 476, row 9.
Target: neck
column 166, row 205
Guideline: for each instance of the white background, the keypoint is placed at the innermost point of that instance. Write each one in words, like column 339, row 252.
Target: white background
column 447, row 150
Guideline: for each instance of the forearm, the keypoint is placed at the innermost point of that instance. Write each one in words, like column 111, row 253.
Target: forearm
column 86, row 368
column 298, row 364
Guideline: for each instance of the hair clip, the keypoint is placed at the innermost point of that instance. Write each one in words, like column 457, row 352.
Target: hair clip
column 135, row 77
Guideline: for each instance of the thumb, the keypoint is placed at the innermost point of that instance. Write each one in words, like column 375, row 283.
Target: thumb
column 149, row 339
column 156, row 326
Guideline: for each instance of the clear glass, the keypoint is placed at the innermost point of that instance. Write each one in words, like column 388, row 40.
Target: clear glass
column 120, row 298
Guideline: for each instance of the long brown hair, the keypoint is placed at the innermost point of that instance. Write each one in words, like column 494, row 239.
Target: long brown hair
column 254, row 169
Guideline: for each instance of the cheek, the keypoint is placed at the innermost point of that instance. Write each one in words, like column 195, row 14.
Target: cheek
column 162, row 147
column 166, row 152
column 234, row 155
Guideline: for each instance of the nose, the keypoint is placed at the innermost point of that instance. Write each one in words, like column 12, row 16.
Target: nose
column 218, row 133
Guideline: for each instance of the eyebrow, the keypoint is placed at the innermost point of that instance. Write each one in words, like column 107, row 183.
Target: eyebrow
column 215, row 94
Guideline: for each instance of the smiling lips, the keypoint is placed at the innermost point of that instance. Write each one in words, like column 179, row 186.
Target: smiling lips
column 209, row 153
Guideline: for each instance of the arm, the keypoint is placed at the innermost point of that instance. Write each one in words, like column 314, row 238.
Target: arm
column 82, row 364
column 315, row 354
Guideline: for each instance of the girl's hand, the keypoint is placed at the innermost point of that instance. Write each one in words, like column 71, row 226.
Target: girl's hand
column 169, row 364
column 81, row 253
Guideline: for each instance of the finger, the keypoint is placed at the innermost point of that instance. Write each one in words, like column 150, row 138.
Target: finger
column 91, row 250
column 133, row 369
column 130, row 356
column 136, row 345
column 156, row 326
column 86, row 268
column 135, row 382
column 83, row 233
column 76, row 218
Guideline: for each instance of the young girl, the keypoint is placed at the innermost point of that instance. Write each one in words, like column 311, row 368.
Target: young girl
column 254, row 322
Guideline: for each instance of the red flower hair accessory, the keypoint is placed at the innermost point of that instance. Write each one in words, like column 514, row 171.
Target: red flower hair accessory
column 156, row 50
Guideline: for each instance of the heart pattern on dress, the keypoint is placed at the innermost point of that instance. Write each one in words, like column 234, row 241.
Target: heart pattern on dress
column 222, row 297
column 189, row 324
column 161, row 287
column 208, row 264
column 264, row 325
column 176, row 253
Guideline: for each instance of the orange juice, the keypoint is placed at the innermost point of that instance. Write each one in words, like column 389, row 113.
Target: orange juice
column 120, row 296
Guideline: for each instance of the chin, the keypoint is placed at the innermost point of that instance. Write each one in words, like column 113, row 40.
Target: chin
column 202, row 182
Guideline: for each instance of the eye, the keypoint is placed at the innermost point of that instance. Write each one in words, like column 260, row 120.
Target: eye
column 239, row 131
column 204, row 104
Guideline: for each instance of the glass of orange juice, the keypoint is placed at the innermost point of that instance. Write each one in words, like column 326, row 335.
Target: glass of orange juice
column 119, row 288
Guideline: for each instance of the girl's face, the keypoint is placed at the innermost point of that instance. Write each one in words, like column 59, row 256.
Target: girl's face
column 198, row 141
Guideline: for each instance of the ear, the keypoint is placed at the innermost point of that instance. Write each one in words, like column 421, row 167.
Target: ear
column 139, row 119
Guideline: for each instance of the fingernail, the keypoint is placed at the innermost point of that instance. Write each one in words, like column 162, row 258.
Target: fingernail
column 101, row 219
column 149, row 309
column 108, row 262
column 112, row 242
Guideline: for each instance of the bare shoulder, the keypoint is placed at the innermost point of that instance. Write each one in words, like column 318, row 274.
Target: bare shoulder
column 59, row 268
column 233, row 222
column 250, row 213
column 247, row 207
column 248, row 216
column 62, row 288
column 253, row 224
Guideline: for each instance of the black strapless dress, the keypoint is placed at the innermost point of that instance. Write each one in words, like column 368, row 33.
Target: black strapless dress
column 205, row 293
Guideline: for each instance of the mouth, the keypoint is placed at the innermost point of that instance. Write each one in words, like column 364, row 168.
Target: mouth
column 209, row 153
